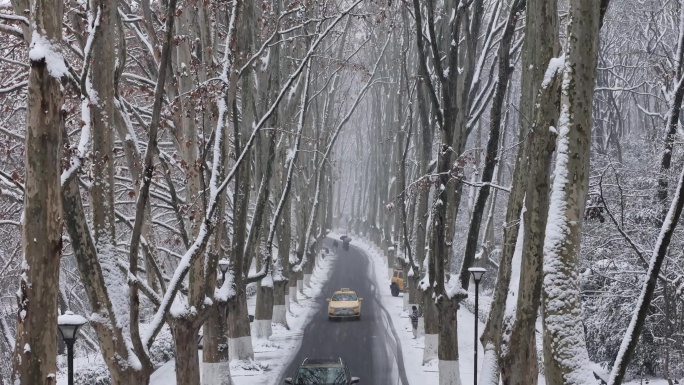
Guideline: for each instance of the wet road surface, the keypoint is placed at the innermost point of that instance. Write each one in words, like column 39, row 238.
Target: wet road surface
column 367, row 346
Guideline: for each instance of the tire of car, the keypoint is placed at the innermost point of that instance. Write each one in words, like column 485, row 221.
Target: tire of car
column 358, row 318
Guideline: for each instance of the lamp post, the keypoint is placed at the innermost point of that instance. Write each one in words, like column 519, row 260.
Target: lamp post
column 68, row 324
column 477, row 273
column 223, row 265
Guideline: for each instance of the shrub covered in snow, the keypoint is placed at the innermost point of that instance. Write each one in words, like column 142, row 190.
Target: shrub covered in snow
column 161, row 351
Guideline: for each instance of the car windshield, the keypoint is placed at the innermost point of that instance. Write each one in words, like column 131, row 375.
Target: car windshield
column 344, row 297
column 321, row 376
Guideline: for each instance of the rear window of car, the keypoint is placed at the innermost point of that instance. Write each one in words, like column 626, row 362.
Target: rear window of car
column 344, row 297
column 322, row 376
column 401, row 274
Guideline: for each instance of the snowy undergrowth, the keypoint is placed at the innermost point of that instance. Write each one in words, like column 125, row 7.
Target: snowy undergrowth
column 90, row 369
column 271, row 355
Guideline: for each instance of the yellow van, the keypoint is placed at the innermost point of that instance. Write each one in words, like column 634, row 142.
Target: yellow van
column 397, row 282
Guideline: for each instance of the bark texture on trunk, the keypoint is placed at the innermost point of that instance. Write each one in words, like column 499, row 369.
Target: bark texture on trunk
column 215, row 364
column 520, row 363
column 238, row 322
column 431, row 326
column 185, row 337
column 281, row 276
column 239, row 332
column 35, row 349
column 565, row 354
column 190, row 68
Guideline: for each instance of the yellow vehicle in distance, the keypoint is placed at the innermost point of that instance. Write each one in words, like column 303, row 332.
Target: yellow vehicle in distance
column 397, row 282
column 344, row 303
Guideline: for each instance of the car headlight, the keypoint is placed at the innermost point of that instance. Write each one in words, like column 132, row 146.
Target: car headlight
column 357, row 309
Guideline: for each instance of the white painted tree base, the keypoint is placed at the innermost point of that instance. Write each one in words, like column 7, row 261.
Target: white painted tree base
column 449, row 373
column 489, row 375
column 262, row 328
column 300, row 286
column 407, row 307
column 216, row 373
column 307, row 280
column 421, row 326
column 293, row 294
column 430, row 350
column 390, row 271
column 240, row 348
column 280, row 314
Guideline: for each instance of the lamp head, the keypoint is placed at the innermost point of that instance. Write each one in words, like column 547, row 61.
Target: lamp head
column 223, row 265
column 477, row 273
column 68, row 324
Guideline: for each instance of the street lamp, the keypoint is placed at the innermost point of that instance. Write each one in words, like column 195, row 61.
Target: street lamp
column 223, row 265
column 477, row 273
column 68, row 324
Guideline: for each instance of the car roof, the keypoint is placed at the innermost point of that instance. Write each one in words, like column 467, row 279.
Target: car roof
column 345, row 290
column 323, row 362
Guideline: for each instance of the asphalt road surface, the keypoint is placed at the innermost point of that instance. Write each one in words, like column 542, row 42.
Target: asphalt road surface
column 367, row 346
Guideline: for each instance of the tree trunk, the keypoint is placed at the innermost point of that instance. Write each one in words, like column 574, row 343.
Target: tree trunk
column 215, row 359
column 263, row 314
column 264, row 302
column 421, row 210
column 282, row 276
column 190, row 70
column 216, row 362
column 35, row 348
column 449, row 372
column 185, row 337
column 280, row 302
column 239, row 333
column 565, row 354
column 520, row 364
column 431, row 327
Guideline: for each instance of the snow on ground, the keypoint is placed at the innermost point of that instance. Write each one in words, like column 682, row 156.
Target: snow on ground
column 80, row 362
column 271, row 355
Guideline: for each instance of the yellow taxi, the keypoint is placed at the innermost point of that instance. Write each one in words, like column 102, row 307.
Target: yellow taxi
column 344, row 303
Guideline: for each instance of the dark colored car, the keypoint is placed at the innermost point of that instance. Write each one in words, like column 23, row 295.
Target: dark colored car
column 323, row 371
